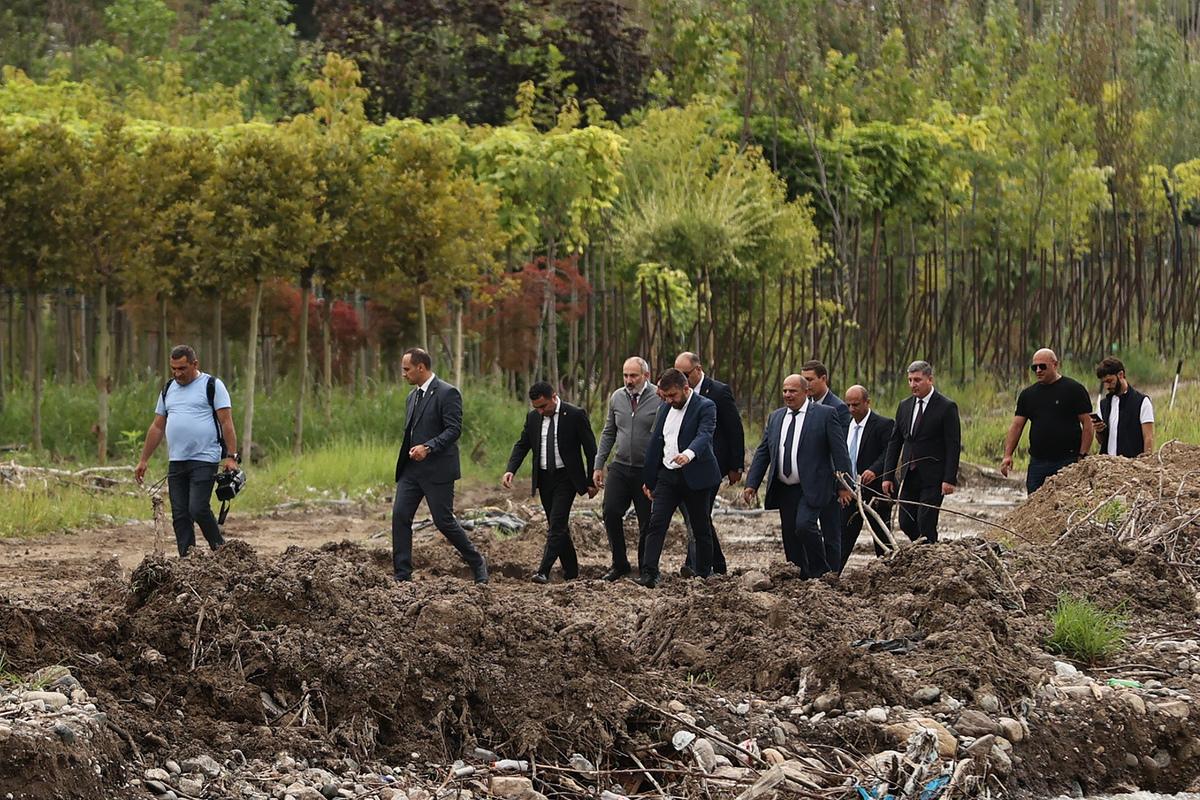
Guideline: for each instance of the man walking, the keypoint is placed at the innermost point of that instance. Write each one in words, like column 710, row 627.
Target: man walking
column 194, row 414
column 1059, row 411
column 817, row 376
column 428, row 465
column 729, row 447
column 632, row 410
column 1126, row 426
column 801, row 449
column 561, row 436
column 680, row 470
column 867, row 442
column 922, row 456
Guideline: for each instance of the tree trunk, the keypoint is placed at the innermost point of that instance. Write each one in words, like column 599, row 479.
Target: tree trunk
column 458, row 340
column 422, row 319
column 552, row 316
column 218, row 339
column 327, row 355
column 251, row 371
column 33, row 324
column 360, row 306
column 12, row 337
column 164, row 344
column 298, row 435
column 102, row 372
column 3, row 374
column 62, row 338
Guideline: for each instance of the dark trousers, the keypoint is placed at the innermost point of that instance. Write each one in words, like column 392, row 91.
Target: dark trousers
column 557, row 494
column 802, row 541
column 624, row 486
column 919, row 521
column 852, row 523
column 831, row 533
column 440, row 498
column 718, row 558
column 670, row 493
column 1041, row 468
column 190, row 485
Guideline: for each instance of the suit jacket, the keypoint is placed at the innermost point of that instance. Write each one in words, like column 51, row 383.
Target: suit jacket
column 839, row 408
column 729, row 442
column 872, row 451
column 820, row 451
column 437, row 424
column 572, row 436
column 695, row 434
column 934, row 447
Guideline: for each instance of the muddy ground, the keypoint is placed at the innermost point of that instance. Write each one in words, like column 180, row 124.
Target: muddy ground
column 290, row 663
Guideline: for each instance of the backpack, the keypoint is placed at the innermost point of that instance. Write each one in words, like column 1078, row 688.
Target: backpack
column 211, row 392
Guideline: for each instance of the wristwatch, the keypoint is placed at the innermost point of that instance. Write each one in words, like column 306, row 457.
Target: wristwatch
column 236, row 457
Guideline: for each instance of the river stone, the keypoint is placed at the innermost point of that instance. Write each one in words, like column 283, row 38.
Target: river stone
column 673, row 706
column 172, row 767
column 1173, row 708
column 1011, row 729
column 192, row 786
column 5, row 733
column 510, row 786
column 988, row 702
column 1064, row 670
column 974, row 723
column 53, row 700
column 705, row 755
column 202, row 763
column 1134, row 701
column 157, row 774
column 772, row 756
column 755, row 581
column 981, row 747
column 826, row 702
column 877, row 715
column 1000, row 761
column 947, row 745
column 927, row 694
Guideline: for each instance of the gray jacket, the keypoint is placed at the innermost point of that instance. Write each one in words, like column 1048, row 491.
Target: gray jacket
column 629, row 432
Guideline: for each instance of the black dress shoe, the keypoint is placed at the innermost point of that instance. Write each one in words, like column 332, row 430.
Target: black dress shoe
column 647, row 580
column 540, row 577
column 687, row 572
column 481, row 573
column 615, row 574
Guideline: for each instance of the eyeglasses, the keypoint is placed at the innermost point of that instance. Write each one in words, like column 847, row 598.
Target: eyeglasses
column 1039, row 367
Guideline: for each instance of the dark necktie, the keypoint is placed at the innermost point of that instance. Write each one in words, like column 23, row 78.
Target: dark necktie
column 787, row 444
column 633, row 401
column 413, row 417
column 550, row 448
column 912, row 464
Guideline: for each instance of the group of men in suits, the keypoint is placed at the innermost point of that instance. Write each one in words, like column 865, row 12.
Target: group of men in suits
column 672, row 445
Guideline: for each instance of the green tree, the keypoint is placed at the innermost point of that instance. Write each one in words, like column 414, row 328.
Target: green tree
column 251, row 41
column 257, row 217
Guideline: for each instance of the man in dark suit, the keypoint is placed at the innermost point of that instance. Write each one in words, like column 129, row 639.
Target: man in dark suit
column 867, row 443
column 729, row 447
column 562, row 441
column 680, row 470
column 819, row 392
column 922, row 456
column 427, row 466
column 801, row 449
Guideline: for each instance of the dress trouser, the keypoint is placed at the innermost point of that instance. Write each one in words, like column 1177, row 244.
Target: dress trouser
column 557, row 494
column 622, row 487
column 440, row 499
column 190, row 485
column 718, row 557
column 920, row 521
column 802, row 542
column 831, row 533
column 670, row 493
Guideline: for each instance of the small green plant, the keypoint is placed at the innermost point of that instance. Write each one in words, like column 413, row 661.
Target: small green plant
column 1112, row 511
column 705, row 678
column 1084, row 631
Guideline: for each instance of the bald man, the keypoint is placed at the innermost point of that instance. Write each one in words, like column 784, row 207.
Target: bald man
column 867, row 441
column 802, row 447
column 1060, row 412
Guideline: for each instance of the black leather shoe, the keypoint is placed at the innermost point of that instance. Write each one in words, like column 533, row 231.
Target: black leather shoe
column 647, row 580
column 615, row 574
column 481, row 574
column 687, row 572
column 540, row 577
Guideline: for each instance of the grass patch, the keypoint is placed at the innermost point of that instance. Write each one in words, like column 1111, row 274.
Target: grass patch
column 1084, row 631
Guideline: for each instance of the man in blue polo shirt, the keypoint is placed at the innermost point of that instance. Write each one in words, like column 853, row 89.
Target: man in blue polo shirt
column 199, row 432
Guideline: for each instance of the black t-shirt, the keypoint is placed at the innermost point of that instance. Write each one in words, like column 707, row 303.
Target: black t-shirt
column 1053, row 412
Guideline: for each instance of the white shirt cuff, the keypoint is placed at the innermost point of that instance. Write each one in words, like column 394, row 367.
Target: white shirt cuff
column 691, row 456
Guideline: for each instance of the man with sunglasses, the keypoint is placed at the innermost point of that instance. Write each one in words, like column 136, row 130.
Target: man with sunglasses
column 1060, row 412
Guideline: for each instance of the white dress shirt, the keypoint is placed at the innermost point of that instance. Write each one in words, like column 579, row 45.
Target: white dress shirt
column 671, row 434
column 862, row 429
column 546, row 422
column 801, row 413
column 922, row 403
